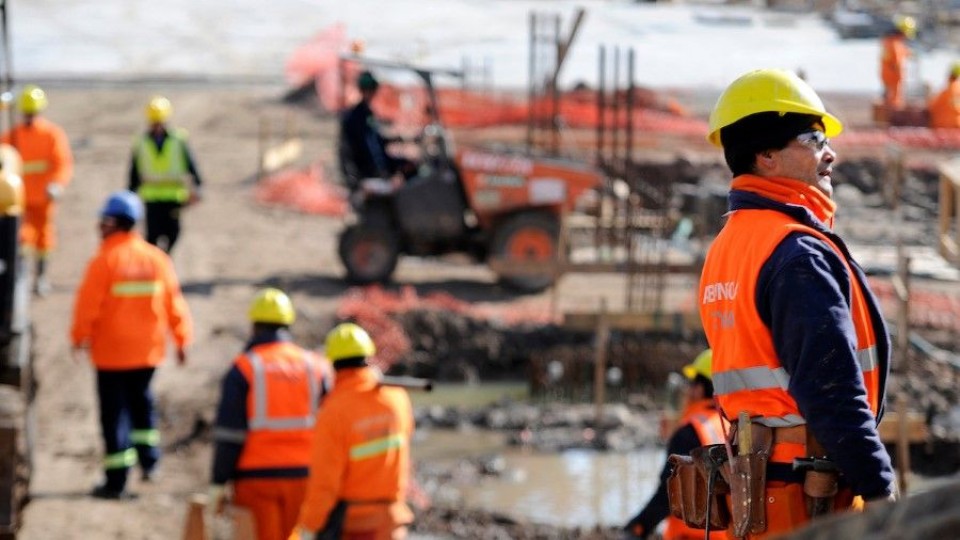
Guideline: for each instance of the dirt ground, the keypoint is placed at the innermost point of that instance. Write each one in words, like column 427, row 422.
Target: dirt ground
column 230, row 247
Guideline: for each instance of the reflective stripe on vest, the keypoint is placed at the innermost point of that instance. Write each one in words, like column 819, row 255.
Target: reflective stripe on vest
column 706, row 429
column 163, row 172
column 375, row 447
column 135, row 288
column 236, row 436
column 37, row 166
column 260, row 419
column 747, row 374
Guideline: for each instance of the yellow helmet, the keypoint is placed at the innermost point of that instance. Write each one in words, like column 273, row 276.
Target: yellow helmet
column 955, row 70
column 158, row 110
column 272, row 306
column 768, row 90
column 33, row 99
column 701, row 365
column 348, row 340
column 906, row 25
column 11, row 194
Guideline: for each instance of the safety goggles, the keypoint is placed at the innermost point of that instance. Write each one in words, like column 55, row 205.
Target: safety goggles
column 815, row 139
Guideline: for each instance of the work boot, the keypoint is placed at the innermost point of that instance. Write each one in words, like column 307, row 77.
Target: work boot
column 104, row 492
column 41, row 287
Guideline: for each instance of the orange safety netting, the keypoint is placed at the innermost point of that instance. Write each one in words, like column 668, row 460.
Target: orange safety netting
column 304, row 190
column 927, row 309
column 371, row 307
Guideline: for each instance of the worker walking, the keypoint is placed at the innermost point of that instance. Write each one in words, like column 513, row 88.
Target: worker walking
column 699, row 425
column 127, row 305
column 360, row 467
column 47, row 169
column 164, row 174
column 945, row 107
column 264, row 424
column 799, row 343
column 894, row 55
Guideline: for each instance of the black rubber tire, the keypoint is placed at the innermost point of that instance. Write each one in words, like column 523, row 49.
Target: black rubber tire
column 369, row 252
column 540, row 224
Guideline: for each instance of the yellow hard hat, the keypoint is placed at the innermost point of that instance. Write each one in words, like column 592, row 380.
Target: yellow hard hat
column 33, row 99
column 701, row 365
column 11, row 194
column 955, row 70
column 907, row 25
column 158, row 109
column 272, row 306
column 348, row 340
column 768, row 90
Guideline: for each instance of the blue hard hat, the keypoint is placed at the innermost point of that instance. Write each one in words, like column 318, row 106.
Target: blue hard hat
column 123, row 204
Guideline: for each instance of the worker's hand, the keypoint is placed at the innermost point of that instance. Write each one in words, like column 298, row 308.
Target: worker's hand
column 633, row 530
column 301, row 533
column 217, row 498
column 872, row 503
column 181, row 356
column 54, row 191
column 194, row 198
column 79, row 353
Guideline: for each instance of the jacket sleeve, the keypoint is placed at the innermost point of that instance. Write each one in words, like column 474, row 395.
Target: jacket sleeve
column 657, row 508
column 191, row 165
column 87, row 305
column 803, row 295
column 62, row 158
column 181, row 325
column 328, row 463
column 230, row 427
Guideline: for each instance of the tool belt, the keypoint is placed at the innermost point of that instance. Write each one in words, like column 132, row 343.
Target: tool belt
column 699, row 484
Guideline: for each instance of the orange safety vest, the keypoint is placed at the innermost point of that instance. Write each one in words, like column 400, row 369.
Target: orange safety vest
column 747, row 374
column 285, row 386
column 45, row 152
column 945, row 107
column 128, row 304
column 703, row 416
column 893, row 59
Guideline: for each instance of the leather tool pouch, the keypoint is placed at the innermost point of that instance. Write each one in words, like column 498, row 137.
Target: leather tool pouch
column 747, row 477
column 687, row 489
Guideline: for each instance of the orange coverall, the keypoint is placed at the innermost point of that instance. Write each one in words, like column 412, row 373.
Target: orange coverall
column 128, row 302
column 46, row 156
column 361, row 454
column 893, row 65
column 945, row 107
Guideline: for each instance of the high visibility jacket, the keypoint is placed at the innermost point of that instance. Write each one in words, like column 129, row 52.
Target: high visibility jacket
column 945, row 107
column 46, row 156
column 127, row 305
column 285, row 386
column 893, row 59
column 705, row 420
column 361, row 451
column 831, row 342
column 164, row 171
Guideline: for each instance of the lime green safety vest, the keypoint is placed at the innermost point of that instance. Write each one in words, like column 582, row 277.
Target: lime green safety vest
column 163, row 174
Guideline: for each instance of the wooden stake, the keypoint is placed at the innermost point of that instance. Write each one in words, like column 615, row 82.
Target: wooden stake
column 195, row 527
column 244, row 526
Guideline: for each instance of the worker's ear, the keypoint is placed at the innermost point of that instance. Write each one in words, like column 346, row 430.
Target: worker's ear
column 766, row 161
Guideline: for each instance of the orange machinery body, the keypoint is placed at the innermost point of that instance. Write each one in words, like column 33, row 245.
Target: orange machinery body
column 498, row 184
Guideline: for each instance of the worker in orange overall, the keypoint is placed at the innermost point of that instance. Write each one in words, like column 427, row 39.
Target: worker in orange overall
column 699, row 425
column 264, row 424
column 360, row 469
column 128, row 304
column 893, row 60
column 47, row 169
column 800, row 347
column 945, row 107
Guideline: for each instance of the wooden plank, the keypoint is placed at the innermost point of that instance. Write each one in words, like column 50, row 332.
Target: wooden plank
column 285, row 153
column 916, row 427
column 195, row 528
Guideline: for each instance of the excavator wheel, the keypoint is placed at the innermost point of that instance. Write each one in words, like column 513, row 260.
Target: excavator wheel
column 369, row 252
column 527, row 237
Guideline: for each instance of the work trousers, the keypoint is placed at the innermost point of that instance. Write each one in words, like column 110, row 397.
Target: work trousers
column 163, row 224
column 274, row 503
column 37, row 230
column 128, row 422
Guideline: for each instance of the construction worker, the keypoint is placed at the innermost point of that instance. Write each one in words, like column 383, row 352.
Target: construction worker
column 799, row 343
column 164, row 174
column 893, row 60
column 363, row 146
column 944, row 108
column 128, row 303
column 360, row 467
column 264, row 423
column 699, row 425
column 47, row 169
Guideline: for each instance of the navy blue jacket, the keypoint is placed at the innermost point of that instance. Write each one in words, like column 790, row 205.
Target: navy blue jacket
column 803, row 296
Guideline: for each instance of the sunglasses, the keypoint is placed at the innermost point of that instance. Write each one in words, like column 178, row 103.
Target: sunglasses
column 814, row 139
